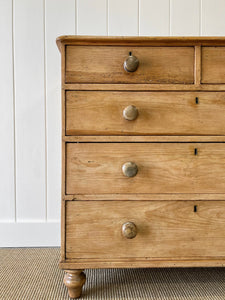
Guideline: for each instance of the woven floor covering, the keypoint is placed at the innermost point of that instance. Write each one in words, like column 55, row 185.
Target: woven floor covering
column 33, row 273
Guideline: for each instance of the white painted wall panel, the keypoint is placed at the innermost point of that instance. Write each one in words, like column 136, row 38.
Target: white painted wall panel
column 92, row 17
column 213, row 17
column 154, row 17
column 30, row 109
column 59, row 20
column 185, row 17
column 123, row 17
column 7, row 200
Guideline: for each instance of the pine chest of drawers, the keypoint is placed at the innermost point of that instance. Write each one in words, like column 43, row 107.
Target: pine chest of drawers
column 143, row 153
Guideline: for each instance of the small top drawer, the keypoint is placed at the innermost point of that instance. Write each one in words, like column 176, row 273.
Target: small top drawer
column 213, row 65
column 105, row 64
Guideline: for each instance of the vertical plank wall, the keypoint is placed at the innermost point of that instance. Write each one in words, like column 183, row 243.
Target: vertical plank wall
column 7, row 182
column 30, row 123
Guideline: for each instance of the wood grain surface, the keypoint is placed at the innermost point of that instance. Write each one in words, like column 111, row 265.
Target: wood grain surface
column 144, row 138
column 198, row 261
column 213, row 65
column 91, row 64
column 159, row 113
column 96, row 168
column 144, row 87
column 139, row 40
column 164, row 229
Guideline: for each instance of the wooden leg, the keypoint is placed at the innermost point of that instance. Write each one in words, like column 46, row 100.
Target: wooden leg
column 74, row 280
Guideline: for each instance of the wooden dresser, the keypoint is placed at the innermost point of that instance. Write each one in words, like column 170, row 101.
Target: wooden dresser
column 143, row 153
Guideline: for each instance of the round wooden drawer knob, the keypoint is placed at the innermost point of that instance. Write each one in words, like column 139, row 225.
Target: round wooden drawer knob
column 131, row 63
column 129, row 169
column 129, row 230
column 130, row 113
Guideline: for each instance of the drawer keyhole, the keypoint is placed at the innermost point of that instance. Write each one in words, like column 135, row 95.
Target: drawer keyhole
column 196, row 100
column 195, row 208
column 196, row 151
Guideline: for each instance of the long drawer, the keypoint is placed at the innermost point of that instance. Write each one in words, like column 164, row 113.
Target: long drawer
column 145, row 113
column 150, row 229
column 102, row 168
column 105, row 64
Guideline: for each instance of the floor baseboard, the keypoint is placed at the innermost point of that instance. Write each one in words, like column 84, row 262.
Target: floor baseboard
column 30, row 234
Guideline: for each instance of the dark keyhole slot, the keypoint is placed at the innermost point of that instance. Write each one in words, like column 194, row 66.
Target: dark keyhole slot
column 130, row 53
column 196, row 151
column 196, row 100
column 195, row 208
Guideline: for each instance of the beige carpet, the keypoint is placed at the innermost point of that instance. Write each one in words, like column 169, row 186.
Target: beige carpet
column 34, row 274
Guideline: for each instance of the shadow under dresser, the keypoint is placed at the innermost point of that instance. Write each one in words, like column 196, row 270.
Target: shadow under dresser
column 143, row 153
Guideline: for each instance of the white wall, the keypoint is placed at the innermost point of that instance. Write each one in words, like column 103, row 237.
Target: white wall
column 30, row 93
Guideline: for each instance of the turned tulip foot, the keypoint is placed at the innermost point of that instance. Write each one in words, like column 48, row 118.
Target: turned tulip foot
column 74, row 280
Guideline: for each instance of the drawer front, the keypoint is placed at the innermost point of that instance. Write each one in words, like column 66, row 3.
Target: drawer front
column 104, row 168
column 163, row 229
column 158, row 113
column 213, row 64
column 102, row 64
